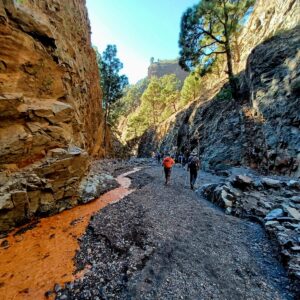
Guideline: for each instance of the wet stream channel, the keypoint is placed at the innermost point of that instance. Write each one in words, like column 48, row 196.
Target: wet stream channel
column 39, row 258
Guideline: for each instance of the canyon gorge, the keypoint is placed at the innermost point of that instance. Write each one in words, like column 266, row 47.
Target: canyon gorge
column 57, row 153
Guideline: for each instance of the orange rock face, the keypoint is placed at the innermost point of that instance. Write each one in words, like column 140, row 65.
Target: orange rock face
column 49, row 100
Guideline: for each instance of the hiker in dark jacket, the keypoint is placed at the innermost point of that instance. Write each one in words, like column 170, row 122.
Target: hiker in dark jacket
column 193, row 167
column 158, row 157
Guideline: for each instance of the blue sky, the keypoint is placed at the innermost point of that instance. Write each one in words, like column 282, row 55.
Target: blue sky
column 140, row 29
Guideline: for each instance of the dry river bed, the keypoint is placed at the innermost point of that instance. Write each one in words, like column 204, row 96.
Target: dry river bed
column 156, row 243
column 167, row 243
column 37, row 256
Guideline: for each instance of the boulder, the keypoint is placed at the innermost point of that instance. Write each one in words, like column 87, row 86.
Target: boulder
column 271, row 223
column 6, row 201
column 294, row 184
column 294, row 213
column 274, row 214
column 95, row 185
column 296, row 199
column 271, row 183
column 242, row 181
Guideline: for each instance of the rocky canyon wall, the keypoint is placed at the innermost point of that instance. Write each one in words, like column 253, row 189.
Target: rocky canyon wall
column 165, row 67
column 262, row 129
column 50, row 113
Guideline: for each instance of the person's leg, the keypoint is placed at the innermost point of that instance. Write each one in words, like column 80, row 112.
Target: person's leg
column 191, row 178
column 168, row 176
column 195, row 177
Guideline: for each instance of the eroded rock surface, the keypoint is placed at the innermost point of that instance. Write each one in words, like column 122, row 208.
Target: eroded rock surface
column 262, row 129
column 50, row 114
column 274, row 202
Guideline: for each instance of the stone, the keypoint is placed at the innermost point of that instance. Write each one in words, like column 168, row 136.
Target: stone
column 228, row 211
column 47, row 198
column 280, row 228
column 274, row 214
column 271, row 223
column 244, row 179
column 74, row 150
column 57, row 288
column 13, row 140
column 272, row 183
column 296, row 199
column 294, row 184
column 34, row 200
column 57, row 152
column 4, row 244
column 6, row 202
column 294, row 213
column 94, row 186
column 227, row 203
column 266, row 205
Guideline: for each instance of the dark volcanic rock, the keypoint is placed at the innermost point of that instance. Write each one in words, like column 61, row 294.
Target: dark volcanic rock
column 260, row 130
column 271, row 204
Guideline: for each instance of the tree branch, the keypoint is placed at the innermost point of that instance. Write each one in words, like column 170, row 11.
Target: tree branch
column 208, row 45
column 215, row 52
column 212, row 36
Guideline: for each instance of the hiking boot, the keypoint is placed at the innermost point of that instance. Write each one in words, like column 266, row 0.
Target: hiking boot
column 192, row 187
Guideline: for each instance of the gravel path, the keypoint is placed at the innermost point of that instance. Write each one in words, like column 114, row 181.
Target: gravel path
column 167, row 243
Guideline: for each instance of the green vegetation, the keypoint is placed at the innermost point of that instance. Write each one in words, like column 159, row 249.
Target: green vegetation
column 224, row 94
column 151, row 101
column 208, row 30
column 159, row 100
column 111, row 82
column 128, row 103
column 208, row 42
column 191, row 89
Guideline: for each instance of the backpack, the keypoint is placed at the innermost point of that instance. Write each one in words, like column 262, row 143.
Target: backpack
column 168, row 162
column 194, row 163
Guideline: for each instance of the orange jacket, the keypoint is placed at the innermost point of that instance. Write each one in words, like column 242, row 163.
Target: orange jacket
column 168, row 162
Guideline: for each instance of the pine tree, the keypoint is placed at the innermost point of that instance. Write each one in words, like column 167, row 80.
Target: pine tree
column 207, row 30
column 152, row 102
column 191, row 89
column 111, row 82
column 170, row 93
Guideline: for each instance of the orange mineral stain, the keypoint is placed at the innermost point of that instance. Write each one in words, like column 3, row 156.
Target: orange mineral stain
column 43, row 256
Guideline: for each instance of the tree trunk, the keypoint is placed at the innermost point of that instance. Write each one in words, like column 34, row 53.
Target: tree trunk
column 232, row 81
column 229, row 55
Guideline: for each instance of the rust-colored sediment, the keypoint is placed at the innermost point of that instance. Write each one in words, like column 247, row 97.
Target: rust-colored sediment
column 43, row 256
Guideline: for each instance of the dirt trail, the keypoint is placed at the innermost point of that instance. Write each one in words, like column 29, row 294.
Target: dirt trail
column 167, row 243
column 39, row 258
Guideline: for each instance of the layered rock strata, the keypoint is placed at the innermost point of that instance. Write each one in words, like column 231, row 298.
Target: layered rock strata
column 50, row 113
column 273, row 202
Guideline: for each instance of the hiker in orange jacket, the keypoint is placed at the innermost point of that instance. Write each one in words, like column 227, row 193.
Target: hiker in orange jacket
column 168, row 163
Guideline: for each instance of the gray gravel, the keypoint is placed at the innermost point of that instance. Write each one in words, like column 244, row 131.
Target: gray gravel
column 167, row 243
